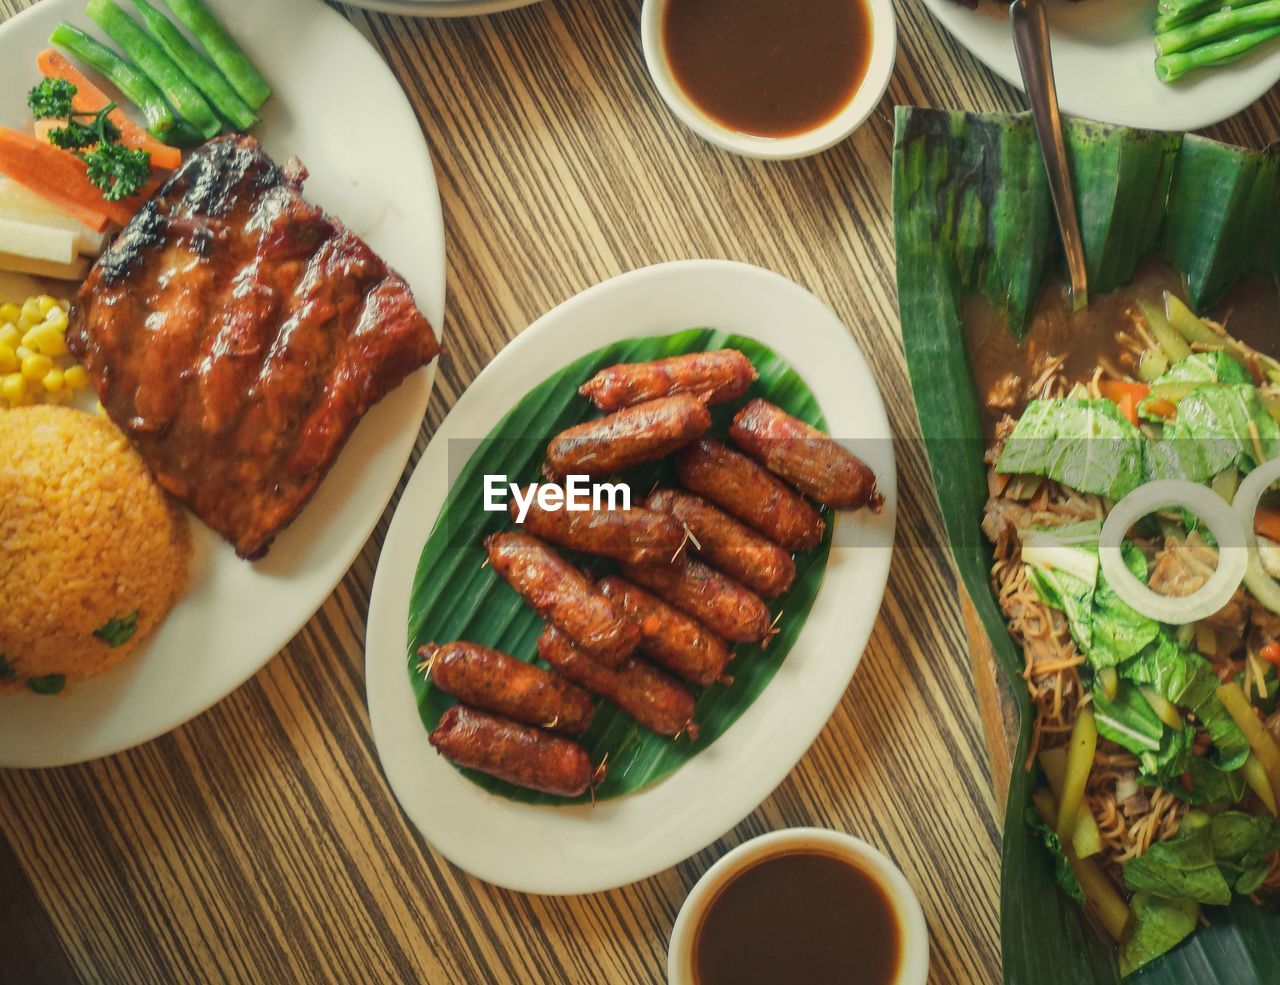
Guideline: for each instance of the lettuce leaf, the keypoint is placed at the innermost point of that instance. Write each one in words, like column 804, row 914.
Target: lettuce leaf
column 1061, row 867
column 1105, row 628
column 1208, row 784
column 1214, row 366
column 1212, row 432
column 1085, row 444
column 1188, row 680
column 1182, row 868
column 1159, row 925
column 1119, row 630
column 1243, row 844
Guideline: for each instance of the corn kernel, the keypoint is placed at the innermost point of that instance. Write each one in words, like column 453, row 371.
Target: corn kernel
column 56, row 319
column 13, row 387
column 50, row 341
column 75, row 377
column 31, row 313
column 10, row 335
column 36, row 366
column 8, row 360
column 9, row 312
column 53, row 380
column 46, row 303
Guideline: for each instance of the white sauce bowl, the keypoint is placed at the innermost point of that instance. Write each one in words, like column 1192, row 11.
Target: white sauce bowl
column 913, row 965
column 884, row 43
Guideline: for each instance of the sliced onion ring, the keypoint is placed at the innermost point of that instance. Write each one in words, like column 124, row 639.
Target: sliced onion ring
column 1260, row 584
column 1233, row 558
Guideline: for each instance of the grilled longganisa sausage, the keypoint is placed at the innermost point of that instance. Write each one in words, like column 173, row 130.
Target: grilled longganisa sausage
column 498, row 682
column 632, row 436
column 637, row 535
column 718, row 602
column 656, row 701
column 742, row 488
column 519, row 754
column 715, row 377
column 563, row 595
column 810, row 460
column 732, row 547
column 669, row 637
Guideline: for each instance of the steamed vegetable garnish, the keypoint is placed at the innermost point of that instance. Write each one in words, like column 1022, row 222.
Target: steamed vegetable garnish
column 88, row 98
column 35, row 366
column 118, row 171
column 118, row 631
column 181, row 94
column 203, row 73
column 222, row 48
column 51, row 99
column 123, row 74
column 50, row 684
column 1123, row 514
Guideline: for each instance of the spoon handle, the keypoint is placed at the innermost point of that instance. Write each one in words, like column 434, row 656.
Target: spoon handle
column 1031, row 42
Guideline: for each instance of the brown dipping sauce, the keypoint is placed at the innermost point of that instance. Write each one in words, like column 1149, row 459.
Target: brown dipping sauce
column 772, row 68
column 803, row 916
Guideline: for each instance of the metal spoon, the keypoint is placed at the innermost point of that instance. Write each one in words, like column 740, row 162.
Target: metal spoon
column 1031, row 42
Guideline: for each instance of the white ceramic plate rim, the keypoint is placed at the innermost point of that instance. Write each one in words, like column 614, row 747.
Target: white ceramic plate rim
column 580, row 849
column 1103, row 56
column 441, row 8
column 376, row 174
column 884, row 46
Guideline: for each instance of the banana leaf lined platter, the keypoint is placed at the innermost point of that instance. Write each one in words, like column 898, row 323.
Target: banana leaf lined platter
column 973, row 217
column 662, row 810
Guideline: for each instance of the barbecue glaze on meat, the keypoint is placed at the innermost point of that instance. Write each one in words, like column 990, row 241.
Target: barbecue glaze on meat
column 238, row 334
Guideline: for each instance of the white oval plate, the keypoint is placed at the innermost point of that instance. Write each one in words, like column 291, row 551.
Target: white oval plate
column 1104, row 62
column 440, row 8
column 581, row 849
column 373, row 171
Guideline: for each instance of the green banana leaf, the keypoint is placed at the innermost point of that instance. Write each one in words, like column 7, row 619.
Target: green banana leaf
column 456, row 595
column 972, row 216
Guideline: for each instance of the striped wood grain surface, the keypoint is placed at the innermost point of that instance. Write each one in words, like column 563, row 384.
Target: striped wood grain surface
column 259, row 842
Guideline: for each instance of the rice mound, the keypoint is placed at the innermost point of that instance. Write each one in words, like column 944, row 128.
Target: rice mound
column 86, row 538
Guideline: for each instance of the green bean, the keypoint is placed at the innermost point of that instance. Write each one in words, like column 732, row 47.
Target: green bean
column 183, row 134
column 123, row 74
column 211, row 83
column 1195, row 11
column 222, row 48
column 1215, row 27
column 159, row 67
column 1170, row 68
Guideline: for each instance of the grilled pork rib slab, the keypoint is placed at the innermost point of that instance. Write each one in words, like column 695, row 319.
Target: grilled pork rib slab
column 238, row 334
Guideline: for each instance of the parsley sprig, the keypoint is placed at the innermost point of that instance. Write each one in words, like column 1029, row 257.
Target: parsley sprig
column 117, row 170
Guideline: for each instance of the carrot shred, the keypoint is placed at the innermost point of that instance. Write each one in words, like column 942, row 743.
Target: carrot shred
column 1163, row 407
column 89, row 99
column 1270, row 652
column 1266, row 521
column 1125, row 395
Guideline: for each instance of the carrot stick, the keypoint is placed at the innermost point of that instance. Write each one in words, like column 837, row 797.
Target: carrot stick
column 1266, row 521
column 59, row 177
column 89, row 99
column 1125, row 395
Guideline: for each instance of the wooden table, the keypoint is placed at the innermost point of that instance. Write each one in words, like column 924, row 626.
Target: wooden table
column 259, row 843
